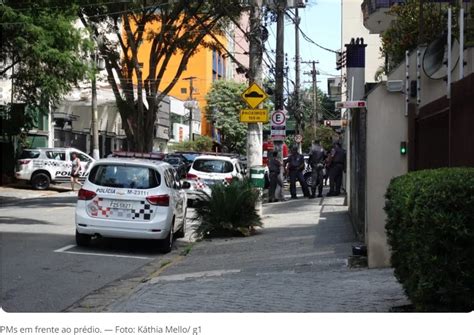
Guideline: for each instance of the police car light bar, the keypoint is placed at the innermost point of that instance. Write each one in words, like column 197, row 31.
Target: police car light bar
column 351, row 104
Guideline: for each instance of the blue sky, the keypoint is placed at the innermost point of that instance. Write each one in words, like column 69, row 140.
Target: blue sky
column 320, row 21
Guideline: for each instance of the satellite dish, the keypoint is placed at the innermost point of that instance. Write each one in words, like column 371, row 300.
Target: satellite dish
column 435, row 59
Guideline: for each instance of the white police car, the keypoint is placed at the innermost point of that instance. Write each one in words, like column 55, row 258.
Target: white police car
column 43, row 166
column 207, row 170
column 131, row 198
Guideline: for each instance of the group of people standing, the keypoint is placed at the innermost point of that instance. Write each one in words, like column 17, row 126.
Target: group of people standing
column 323, row 164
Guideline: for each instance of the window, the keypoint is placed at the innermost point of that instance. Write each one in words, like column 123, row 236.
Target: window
column 168, row 179
column 82, row 157
column 29, row 154
column 213, row 165
column 173, row 161
column 57, row 155
column 120, row 176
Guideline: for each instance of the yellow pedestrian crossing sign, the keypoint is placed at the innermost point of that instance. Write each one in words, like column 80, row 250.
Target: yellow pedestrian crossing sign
column 254, row 95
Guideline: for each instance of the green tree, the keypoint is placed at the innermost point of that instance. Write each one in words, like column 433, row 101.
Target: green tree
column 223, row 107
column 41, row 50
column 200, row 144
column 325, row 106
column 174, row 29
column 326, row 135
column 403, row 34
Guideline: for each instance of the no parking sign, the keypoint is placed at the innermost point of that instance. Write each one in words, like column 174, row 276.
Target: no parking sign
column 278, row 123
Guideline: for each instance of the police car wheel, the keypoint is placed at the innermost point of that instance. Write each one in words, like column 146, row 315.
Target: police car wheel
column 40, row 181
column 182, row 231
column 82, row 240
column 167, row 243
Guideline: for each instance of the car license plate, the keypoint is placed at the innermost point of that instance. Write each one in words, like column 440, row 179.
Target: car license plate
column 120, row 204
column 209, row 181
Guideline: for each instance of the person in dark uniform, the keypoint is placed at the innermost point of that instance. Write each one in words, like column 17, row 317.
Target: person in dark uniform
column 295, row 167
column 274, row 166
column 336, row 162
column 316, row 160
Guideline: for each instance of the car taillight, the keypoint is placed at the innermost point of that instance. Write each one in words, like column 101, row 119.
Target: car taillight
column 159, row 200
column 191, row 176
column 229, row 179
column 24, row 161
column 85, row 194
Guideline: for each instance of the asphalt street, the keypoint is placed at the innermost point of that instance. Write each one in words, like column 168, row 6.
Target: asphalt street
column 42, row 270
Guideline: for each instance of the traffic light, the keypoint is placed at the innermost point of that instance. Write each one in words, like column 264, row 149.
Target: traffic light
column 403, row 148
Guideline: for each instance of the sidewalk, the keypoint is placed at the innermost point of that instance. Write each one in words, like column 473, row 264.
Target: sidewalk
column 20, row 191
column 296, row 263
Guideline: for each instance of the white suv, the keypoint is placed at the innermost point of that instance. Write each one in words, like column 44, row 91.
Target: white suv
column 207, row 170
column 43, row 166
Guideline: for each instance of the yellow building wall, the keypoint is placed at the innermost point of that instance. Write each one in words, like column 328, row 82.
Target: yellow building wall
column 199, row 66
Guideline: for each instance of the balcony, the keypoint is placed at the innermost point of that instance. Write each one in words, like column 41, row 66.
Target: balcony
column 376, row 17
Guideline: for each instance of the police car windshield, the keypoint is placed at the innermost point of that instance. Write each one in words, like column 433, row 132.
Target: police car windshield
column 212, row 165
column 120, row 176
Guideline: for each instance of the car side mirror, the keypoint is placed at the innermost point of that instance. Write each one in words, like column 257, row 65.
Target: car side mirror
column 186, row 185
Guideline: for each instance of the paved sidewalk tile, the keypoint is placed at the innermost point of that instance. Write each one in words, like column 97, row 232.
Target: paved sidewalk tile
column 296, row 263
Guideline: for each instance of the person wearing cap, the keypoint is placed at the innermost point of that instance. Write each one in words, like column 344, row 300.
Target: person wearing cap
column 295, row 167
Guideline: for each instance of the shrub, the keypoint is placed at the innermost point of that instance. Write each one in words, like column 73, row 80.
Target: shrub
column 228, row 211
column 200, row 144
column 430, row 228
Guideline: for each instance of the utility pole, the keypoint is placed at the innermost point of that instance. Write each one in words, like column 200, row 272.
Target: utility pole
column 314, row 73
column 297, row 76
column 94, row 123
column 254, row 130
column 279, row 66
column 190, row 106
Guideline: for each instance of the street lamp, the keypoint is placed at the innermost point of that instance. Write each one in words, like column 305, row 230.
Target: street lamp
column 98, row 64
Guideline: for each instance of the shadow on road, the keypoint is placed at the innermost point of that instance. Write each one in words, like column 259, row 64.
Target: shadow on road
column 44, row 202
column 22, row 221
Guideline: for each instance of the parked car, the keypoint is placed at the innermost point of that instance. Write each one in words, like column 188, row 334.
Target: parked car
column 43, row 166
column 124, row 198
column 187, row 156
column 157, row 156
column 207, row 170
column 179, row 165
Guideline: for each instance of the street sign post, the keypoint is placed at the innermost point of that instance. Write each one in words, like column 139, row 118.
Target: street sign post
column 254, row 95
column 351, row 104
column 278, row 123
column 298, row 138
column 254, row 115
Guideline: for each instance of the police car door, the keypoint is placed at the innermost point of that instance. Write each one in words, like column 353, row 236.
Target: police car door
column 57, row 165
column 86, row 162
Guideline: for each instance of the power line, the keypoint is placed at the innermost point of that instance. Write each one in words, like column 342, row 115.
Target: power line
column 308, row 39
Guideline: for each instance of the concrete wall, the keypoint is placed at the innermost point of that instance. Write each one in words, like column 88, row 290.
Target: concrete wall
column 387, row 126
